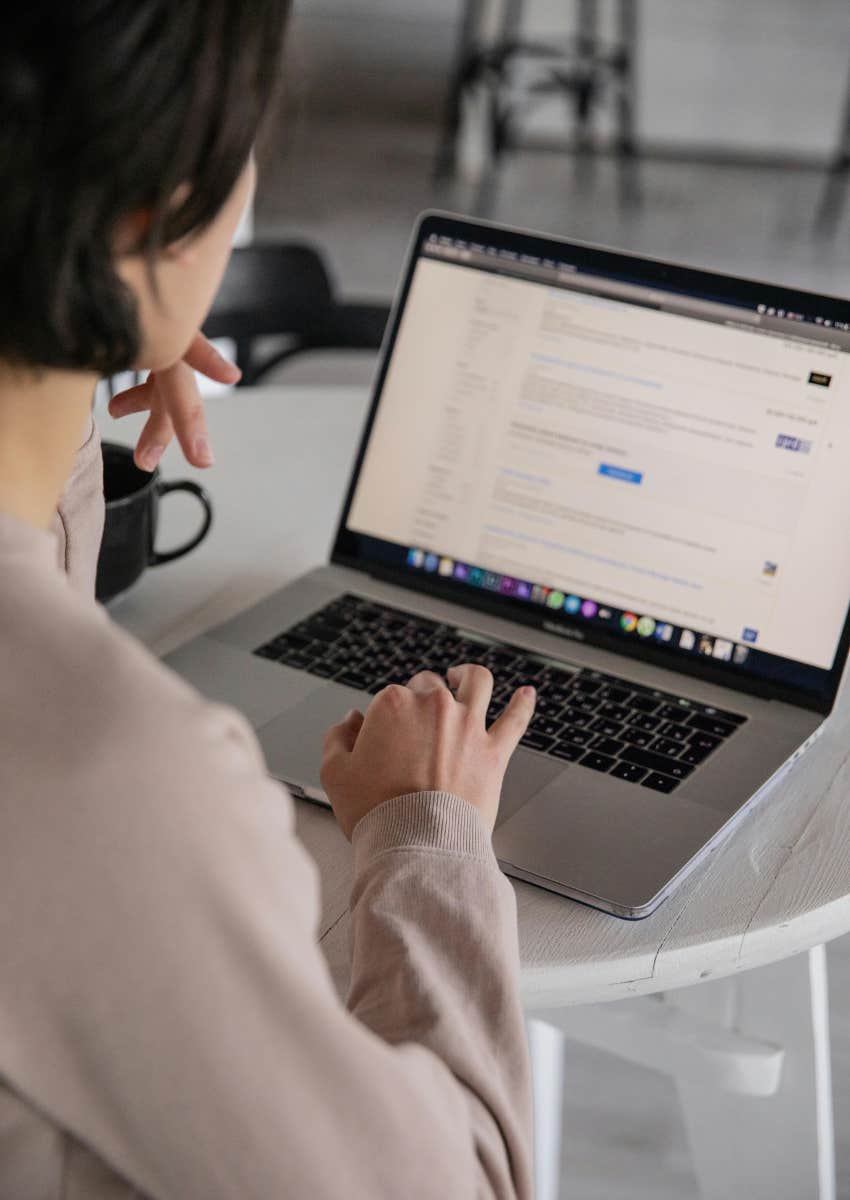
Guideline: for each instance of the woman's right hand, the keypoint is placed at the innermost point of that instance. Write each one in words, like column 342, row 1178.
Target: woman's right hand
column 424, row 737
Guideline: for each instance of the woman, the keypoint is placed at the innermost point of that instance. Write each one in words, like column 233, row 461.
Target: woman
column 167, row 1025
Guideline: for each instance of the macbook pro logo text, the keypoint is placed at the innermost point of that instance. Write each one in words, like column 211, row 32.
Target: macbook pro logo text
column 576, row 634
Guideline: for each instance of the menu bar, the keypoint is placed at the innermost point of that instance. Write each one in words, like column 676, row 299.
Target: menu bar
column 763, row 318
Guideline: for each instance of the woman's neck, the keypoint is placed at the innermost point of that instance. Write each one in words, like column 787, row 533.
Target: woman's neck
column 43, row 421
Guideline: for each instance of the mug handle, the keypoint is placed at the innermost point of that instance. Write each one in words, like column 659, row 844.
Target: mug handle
column 163, row 487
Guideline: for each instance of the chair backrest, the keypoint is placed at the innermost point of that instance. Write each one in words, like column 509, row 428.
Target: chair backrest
column 284, row 290
column 270, row 288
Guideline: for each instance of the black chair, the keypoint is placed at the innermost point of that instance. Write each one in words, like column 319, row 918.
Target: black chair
column 284, row 289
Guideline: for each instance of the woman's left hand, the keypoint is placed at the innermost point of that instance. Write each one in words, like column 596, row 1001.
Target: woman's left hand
column 172, row 398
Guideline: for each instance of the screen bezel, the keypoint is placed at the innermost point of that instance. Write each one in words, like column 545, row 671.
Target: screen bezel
column 653, row 272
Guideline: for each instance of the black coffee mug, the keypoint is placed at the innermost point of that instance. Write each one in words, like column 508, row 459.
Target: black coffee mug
column 132, row 511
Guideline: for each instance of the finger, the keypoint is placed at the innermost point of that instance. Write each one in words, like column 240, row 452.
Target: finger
column 154, row 438
column 472, row 685
column 178, row 390
column 510, row 726
column 341, row 738
column 133, row 400
column 203, row 356
column 425, row 681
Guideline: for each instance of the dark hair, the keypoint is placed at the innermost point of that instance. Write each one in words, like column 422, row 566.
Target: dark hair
column 107, row 107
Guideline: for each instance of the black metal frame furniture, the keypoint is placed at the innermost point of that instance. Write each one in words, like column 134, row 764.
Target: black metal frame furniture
column 584, row 69
column 835, row 190
column 285, row 289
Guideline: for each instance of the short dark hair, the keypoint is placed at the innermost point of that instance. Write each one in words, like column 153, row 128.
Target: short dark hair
column 107, row 107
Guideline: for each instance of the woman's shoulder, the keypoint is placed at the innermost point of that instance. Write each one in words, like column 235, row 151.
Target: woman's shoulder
column 89, row 711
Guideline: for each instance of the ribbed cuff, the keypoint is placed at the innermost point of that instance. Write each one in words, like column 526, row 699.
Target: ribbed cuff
column 424, row 821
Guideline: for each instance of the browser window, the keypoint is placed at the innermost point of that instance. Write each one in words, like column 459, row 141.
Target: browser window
column 598, row 439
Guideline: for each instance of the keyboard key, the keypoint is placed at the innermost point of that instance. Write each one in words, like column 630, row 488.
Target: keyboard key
column 674, row 731
column 645, row 721
column 546, row 726
column 672, row 712
column 712, row 725
column 561, row 676
column 567, row 750
column 597, row 762
column 606, row 727
column 293, row 658
column 585, row 704
column 644, row 704
column 295, row 641
column 572, row 716
column 703, row 741
column 657, row 762
column 321, row 631
column 631, row 772
column 616, row 712
column 330, row 620
column 607, row 745
column 637, row 737
column 616, row 694
column 587, row 686
column 581, row 737
column 536, row 741
column 355, row 679
column 692, row 756
column 324, row 670
column 733, row 718
column 529, row 671
column 659, row 782
column 663, row 745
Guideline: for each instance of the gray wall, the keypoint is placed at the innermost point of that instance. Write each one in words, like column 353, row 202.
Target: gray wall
column 745, row 73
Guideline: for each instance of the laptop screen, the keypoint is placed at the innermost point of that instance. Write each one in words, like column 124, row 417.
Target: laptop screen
column 659, row 458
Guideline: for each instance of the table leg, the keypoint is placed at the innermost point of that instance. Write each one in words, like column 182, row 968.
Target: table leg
column 780, row 1146
column 546, row 1046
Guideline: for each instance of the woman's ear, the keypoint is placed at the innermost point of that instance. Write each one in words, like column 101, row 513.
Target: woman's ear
column 131, row 233
column 175, row 288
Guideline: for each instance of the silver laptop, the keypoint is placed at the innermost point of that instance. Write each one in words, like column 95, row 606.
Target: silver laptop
column 621, row 480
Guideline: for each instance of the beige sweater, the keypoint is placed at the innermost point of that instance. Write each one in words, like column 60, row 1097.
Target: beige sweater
column 168, row 1027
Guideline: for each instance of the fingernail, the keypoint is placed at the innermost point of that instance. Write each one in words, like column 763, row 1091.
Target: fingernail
column 203, row 452
column 529, row 691
column 151, row 457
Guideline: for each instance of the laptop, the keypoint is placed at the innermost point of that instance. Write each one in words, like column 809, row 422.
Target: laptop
column 621, row 480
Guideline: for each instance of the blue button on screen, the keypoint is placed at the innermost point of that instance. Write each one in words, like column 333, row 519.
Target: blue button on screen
column 620, row 473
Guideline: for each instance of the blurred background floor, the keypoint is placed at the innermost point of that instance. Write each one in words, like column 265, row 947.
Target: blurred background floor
column 348, row 164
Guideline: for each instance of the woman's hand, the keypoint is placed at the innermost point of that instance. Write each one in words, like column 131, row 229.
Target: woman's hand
column 172, row 398
column 423, row 738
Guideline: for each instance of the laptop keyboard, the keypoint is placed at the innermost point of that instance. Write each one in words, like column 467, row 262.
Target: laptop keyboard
column 641, row 735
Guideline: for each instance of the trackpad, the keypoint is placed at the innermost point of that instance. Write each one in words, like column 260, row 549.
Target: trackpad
column 292, row 741
column 527, row 773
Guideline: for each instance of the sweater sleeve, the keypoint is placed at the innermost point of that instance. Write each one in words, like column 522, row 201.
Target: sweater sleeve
column 171, row 1009
column 436, row 960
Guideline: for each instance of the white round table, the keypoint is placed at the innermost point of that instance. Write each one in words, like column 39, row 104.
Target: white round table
column 749, row 1052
